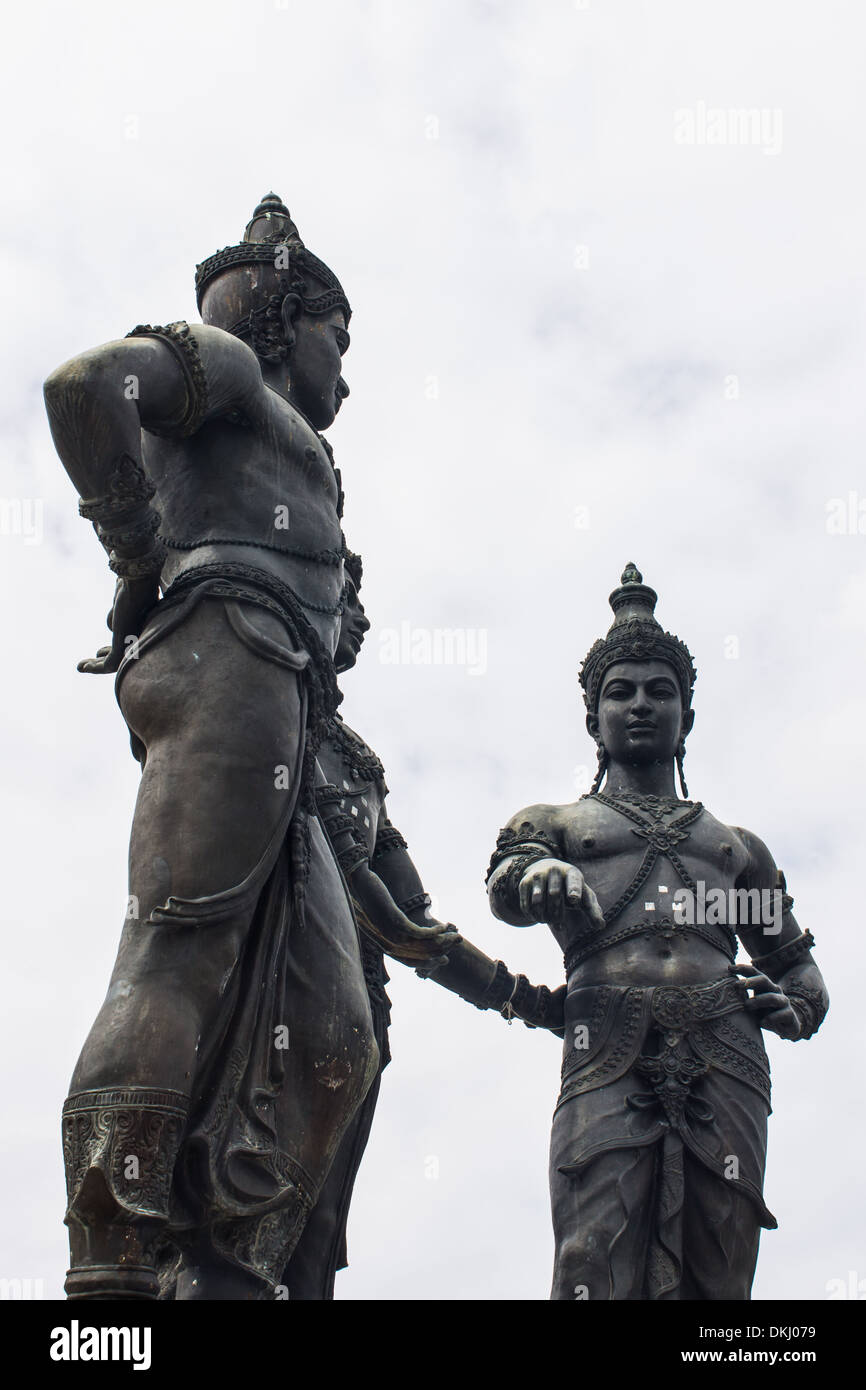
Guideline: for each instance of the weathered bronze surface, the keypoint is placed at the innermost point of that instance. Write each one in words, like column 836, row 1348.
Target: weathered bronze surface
column 236, row 1040
column 220, row 1107
column 222, row 1101
column 659, row 1136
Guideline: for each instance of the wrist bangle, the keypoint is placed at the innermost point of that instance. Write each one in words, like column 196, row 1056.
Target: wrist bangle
column 139, row 566
column 499, row 990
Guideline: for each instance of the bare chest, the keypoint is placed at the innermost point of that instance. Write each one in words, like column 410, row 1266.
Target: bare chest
column 648, row 856
column 265, row 475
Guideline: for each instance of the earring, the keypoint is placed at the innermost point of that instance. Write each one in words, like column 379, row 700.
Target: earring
column 602, row 768
column 681, row 753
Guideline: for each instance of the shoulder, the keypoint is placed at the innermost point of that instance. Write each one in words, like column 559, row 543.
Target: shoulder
column 358, row 757
column 540, row 823
column 220, row 369
column 760, row 868
column 225, row 357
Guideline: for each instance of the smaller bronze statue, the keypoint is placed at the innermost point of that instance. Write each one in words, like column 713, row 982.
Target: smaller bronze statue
column 386, row 890
column 659, row 1136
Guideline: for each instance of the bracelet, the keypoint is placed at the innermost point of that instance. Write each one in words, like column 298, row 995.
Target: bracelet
column 128, row 488
column 421, row 899
column 133, row 535
column 138, row 566
column 809, row 1006
column 350, row 857
column 540, row 1009
column 499, row 990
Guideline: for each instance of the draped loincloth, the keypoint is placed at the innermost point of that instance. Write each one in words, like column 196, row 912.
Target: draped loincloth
column 681, row 1070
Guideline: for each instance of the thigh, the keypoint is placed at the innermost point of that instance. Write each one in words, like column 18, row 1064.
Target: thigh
column 721, row 1233
column 223, row 730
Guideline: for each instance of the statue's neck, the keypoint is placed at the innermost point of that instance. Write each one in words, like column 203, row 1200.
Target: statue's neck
column 645, row 779
column 275, row 376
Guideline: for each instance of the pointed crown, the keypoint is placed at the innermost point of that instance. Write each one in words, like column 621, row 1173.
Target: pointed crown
column 635, row 635
column 271, row 237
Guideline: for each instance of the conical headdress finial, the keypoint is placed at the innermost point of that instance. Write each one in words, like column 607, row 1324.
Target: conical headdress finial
column 635, row 635
column 272, row 223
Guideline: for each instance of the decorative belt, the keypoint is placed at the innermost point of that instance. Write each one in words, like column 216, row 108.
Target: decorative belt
column 228, row 574
column 664, row 929
column 680, row 1006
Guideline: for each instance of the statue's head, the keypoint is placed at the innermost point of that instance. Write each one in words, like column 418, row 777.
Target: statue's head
column 285, row 303
column 637, row 684
column 354, row 624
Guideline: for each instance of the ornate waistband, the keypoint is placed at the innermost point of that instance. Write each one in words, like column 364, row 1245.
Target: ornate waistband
column 665, row 929
column 226, row 577
column 610, row 1024
column 680, row 1006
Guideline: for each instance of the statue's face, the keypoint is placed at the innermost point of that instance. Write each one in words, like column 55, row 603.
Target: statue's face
column 354, row 625
column 315, row 361
column 640, row 713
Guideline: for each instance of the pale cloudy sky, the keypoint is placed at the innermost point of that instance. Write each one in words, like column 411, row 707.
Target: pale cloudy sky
column 580, row 338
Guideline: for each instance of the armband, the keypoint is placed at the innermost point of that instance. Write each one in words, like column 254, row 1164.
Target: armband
column 775, row 963
column 388, row 838
column 183, row 345
column 525, row 839
column 507, row 885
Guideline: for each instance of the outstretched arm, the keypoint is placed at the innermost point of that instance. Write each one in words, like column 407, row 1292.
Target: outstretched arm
column 789, row 993
column 464, row 970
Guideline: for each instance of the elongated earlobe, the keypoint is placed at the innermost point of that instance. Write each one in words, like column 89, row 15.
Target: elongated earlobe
column 288, row 313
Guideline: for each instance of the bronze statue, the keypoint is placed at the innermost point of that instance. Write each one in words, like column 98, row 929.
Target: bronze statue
column 659, row 1136
column 236, row 1041
column 384, row 882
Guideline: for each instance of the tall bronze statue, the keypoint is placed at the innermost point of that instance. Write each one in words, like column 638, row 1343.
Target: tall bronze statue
column 659, row 1136
column 384, row 885
column 236, row 1041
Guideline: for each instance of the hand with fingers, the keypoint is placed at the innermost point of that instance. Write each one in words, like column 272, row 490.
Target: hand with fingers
column 769, row 1001
column 396, row 934
column 133, row 600
column 551, row 887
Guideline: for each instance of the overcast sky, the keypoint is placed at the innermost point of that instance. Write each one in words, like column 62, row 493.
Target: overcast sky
column 585, row 332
